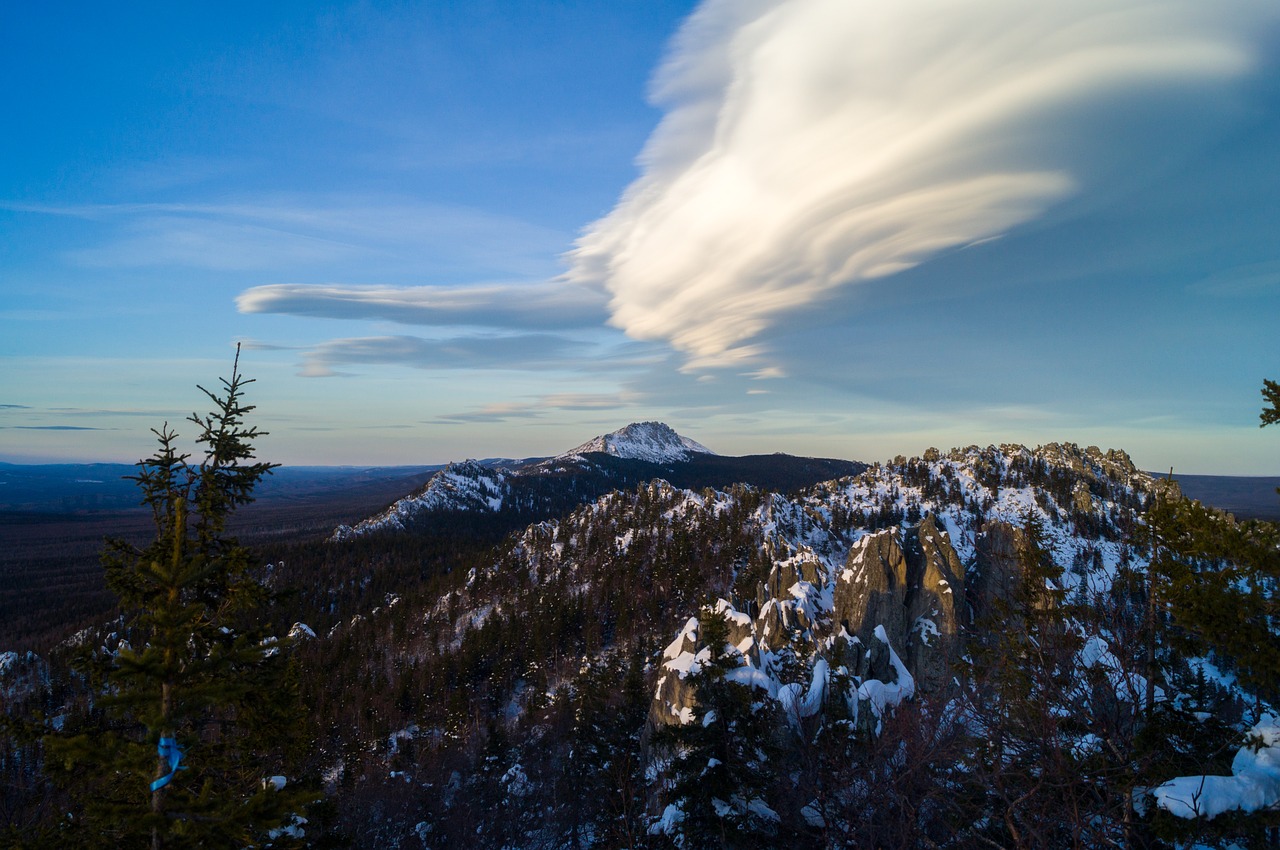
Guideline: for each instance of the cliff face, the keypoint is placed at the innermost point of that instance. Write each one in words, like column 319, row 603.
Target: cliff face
column 936, row 606
column 896, row 606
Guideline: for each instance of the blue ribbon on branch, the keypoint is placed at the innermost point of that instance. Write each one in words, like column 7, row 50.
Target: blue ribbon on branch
column 169, row 751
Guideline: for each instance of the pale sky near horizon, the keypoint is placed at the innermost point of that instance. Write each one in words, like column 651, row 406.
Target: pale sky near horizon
column 829, row 227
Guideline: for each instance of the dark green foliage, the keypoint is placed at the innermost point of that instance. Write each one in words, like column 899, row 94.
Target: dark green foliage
column 1271, row 395
column 191, row 662
column 899, row 788
column 602, row 789
column 471, row 691
column 1271, row 411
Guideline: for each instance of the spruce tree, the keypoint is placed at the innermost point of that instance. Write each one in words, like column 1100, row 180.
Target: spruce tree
column 1217, row 578
column 194, row 708
column 720, row 769
column 1271, row 411
column 1271, row 395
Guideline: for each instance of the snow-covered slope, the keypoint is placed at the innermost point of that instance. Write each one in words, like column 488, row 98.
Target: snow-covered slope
column 651, row 441
column 1254, row 783
column 465, row 486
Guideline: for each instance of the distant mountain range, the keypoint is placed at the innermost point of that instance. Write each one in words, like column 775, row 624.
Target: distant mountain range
column 505, row 496
column 96, row 487
column 79, row 487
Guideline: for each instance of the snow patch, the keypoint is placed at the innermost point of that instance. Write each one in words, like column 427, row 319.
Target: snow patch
column 1253, row 786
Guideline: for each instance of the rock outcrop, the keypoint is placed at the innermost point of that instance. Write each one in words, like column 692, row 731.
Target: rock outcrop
column 996, row 569
column 935, row 603
column 872, row 588
column 887, row 611
column 911, row 583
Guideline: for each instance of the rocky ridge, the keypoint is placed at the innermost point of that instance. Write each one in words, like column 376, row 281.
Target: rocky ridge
column 871, row 577
column 464, row 486
column 886, row 607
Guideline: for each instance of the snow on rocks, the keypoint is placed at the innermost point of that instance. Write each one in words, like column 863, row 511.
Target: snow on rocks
column 1130, row 686
column 1253, row 786
column 795, row 706
column 880, row 696
column 21, row 675
column 877, row 574
column 669, row 822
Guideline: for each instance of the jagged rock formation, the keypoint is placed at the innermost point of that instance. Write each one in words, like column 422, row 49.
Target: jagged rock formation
column 891, row 607
column 872, row 588
column 21, row 675
column 871, row 579
column 843, row 599
column 935, row 607
column 900, row 595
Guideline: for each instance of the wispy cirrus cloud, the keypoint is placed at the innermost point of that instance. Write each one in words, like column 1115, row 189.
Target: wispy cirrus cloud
column 1256, row 279
column 522, row 352
column 551, row 305
column 815, row 144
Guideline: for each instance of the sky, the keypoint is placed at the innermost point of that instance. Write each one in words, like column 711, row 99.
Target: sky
column 842, row 228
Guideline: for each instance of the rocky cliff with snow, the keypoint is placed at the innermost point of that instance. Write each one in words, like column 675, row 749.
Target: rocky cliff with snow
column 876, row 576
column 887, row 606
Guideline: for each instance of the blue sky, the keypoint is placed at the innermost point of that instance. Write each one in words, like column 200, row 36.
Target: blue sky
column 830, row 227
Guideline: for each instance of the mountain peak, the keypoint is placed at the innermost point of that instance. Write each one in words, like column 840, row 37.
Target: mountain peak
column 652, row 441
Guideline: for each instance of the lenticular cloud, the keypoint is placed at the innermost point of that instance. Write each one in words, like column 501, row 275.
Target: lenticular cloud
column 812, row 144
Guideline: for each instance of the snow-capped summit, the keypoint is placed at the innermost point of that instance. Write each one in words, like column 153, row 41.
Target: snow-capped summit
column 651, row 441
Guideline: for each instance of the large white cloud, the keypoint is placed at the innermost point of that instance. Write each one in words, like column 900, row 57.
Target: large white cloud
column 812, row 144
